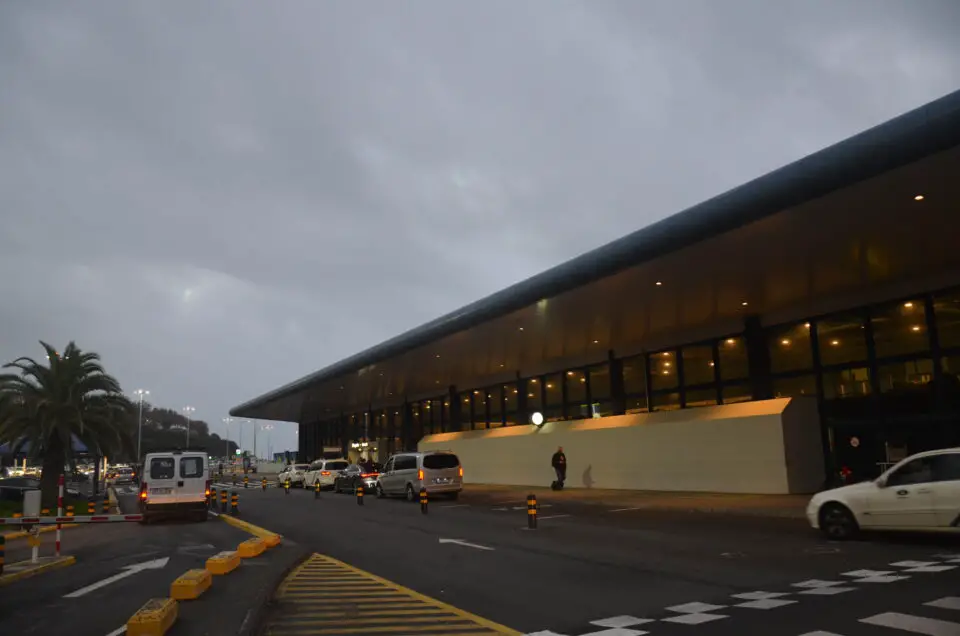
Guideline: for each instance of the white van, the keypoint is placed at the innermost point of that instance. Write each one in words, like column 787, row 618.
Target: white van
column 405, row 474
column 175, row 483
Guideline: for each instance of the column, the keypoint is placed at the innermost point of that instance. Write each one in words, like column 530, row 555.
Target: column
column 758, row 358
column 617, row 391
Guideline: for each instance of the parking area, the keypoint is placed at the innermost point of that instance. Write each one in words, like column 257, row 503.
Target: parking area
column 589, row 567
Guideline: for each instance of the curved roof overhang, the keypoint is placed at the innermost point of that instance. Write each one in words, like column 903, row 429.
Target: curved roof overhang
column 839, row 221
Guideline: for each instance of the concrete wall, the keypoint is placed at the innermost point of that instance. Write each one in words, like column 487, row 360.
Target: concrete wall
column 770, row 446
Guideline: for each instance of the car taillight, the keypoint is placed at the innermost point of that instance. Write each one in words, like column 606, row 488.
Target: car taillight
column 365, row 475
column 208, row 487
column 325, row 473
column 420, row 475
column 461, row 472
column 143, row 490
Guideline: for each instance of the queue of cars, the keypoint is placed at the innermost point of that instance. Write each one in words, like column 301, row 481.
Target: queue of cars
column 404, row 474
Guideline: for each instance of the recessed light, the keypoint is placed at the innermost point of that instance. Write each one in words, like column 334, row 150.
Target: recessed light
column 785, row 342
column 521, row 328
column 659, row 283
column 731, row 341
column 908, row 305
column 835, row 343
column 501, row 365
column 438, row 355
column 596, row 342
column 919, row 197
column 743, row 304
column 806, row 325
column 569, row 372
column 916, row 327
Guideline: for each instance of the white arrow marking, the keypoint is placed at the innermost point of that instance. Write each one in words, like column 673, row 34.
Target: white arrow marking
column 128, row 570
column 118, row 631
column 465, row 544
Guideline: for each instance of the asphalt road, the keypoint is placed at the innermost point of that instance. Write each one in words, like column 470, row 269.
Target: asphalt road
column 40, row 606
column 587, row 565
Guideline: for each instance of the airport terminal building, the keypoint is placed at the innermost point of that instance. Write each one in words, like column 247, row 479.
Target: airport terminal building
column 762, row 341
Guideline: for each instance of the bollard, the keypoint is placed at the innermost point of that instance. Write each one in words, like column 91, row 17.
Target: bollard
column 531, row 511
column 235, row 504
column 91, row 507
column 3, row 550
column 223, row 501
column 359, row 495
column 106, row 504
column 70, row 511
column 45, row 512
column 423, row 500
column 213, row 499
column 286, row 486
column 316, row 489
column 246, row 481
column 263, row 484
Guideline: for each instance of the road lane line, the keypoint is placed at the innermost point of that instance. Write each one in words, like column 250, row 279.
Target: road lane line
column 455, row 506
column 914, row 624
column 551, row 517
column 624, row 509
column 118, row 631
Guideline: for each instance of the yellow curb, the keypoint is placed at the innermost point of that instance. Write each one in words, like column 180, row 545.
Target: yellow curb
column 190, row 585
column 251, row 548
column 256, row 531
column 155, row 618
column 20, row 534
column 40, row 569
column 223, row 563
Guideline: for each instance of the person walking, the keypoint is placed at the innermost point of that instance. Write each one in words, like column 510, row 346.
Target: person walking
column 559, row 463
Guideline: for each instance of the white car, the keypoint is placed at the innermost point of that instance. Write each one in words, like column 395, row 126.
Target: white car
column 175, row 483
column 324, row 472
column 920, row 493
column 295, row 473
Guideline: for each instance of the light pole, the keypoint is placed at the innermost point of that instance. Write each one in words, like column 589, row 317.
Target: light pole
column 140, row 393
column 254, row 437
column 226, row 426
column 187, row 411
column 268, row 428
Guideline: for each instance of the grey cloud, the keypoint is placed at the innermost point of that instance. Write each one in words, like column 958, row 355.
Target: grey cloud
column 220, row 197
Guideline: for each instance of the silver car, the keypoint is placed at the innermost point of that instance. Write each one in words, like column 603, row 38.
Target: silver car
column 405, row 474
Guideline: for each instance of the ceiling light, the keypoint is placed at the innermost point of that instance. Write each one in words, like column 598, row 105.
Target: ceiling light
column 711, row 363
column 666, row 364
column 438, row 355
column 835, row 343
column 916, row 327
column 596, row 342
column 569, row 372
column 659, row 283
column 806, row 325
column 549, row 385
column 908, row 305
column 666, row 373
column 743, row 304
column 785, row 342
column 521, row 328
column 919, row 197
column 501, row 365
column 731, row 341
column 529, row 394
column 583, row 379
column 533, row 380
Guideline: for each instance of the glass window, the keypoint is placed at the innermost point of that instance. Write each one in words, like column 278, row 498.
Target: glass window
column 636, row 404
column 465, row 420
column 601, row 408
column 436, row 415
column 946, row 312
column 162, row 468
column 576, row 388
column 440, row 461
column 790, row 348
column 846, row 383
column 510, row 398
column 480, row 409
column 795, row 386
column 918, row 471
column 842, row 339
column 634, row 380
column 667, row 401
column 495, row 400
column 552, row 385
column 534, row 389
column 900, row 329
column 445, row 420
column 192, row 466
column 700, row 397
column 426, row 415
column 899, row 376
column 698, row 365
column 738, row 392
column 663, row 370
column 947, row 467
column 599, row 382
column 335, row 465
column 732, row 353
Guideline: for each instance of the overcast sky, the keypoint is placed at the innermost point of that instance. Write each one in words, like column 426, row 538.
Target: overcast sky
column 220, row 197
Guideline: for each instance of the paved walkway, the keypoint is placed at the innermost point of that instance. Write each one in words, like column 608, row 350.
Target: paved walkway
column 790, row 506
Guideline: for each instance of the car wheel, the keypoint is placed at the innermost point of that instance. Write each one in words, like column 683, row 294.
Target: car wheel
column 837, row 522
column 411, row 496
column 380, row 493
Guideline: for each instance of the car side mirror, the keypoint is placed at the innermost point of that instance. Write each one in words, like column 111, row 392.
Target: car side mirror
column 881, row 482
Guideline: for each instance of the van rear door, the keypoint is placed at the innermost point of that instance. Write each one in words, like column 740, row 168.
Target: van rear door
column 192, row 478
column 161, row 479
column 441, row 469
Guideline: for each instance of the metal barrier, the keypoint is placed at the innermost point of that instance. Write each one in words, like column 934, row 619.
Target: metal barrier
column 48, row 521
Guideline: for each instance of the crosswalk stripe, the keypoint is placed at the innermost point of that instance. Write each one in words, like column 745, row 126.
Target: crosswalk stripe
column 949, row 602
column 914, row 624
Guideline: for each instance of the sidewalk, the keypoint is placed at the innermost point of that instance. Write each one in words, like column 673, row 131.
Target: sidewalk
column 784, row 506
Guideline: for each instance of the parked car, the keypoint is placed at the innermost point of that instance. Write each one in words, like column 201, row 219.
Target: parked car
column 293, row 472
column 324, row 472
column 405, row 474
column 176, row 483
column 121, row 476
column 920, row 493
column 363, row 474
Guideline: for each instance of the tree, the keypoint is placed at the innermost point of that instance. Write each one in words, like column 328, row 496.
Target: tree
column 44, row 407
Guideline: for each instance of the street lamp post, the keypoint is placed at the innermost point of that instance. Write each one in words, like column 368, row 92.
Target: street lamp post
column 140, row 393
column 254, row 437
column 226, row 424
column 187, row 411
column 268, row 428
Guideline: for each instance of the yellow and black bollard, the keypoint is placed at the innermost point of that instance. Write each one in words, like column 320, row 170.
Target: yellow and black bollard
column 263, row 484
column 423, row 500
column 223, row 501
column 286, row 486
column 45, row 512
column 360, row 495
column 212, row 502
column 246, row 481
column 70, row 511
column 316, row 489
column 3, row 551
column 91, row 507
column 531, row 511
column 235, row 504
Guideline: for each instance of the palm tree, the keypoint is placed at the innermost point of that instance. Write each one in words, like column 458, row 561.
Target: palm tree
column 47, row 406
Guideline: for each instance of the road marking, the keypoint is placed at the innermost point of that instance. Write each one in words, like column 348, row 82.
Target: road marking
column 455, row 506
column 118, row 631
column 466, row 544
column 324, row 595
column 915, row 624
column 949, row 602
column 624, row 509
column 128, row 570
column 551, row 517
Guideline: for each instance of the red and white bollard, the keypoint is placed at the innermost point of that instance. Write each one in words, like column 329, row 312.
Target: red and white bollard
column 59, row 510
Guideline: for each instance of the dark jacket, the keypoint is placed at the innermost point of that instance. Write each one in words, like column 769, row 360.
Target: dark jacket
column 559, row 460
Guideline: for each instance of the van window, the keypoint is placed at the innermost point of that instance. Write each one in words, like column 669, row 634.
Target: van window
column 440, row 461
column 161, row 468
column 405, row 462
column 191, row 467
column 336, row 465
